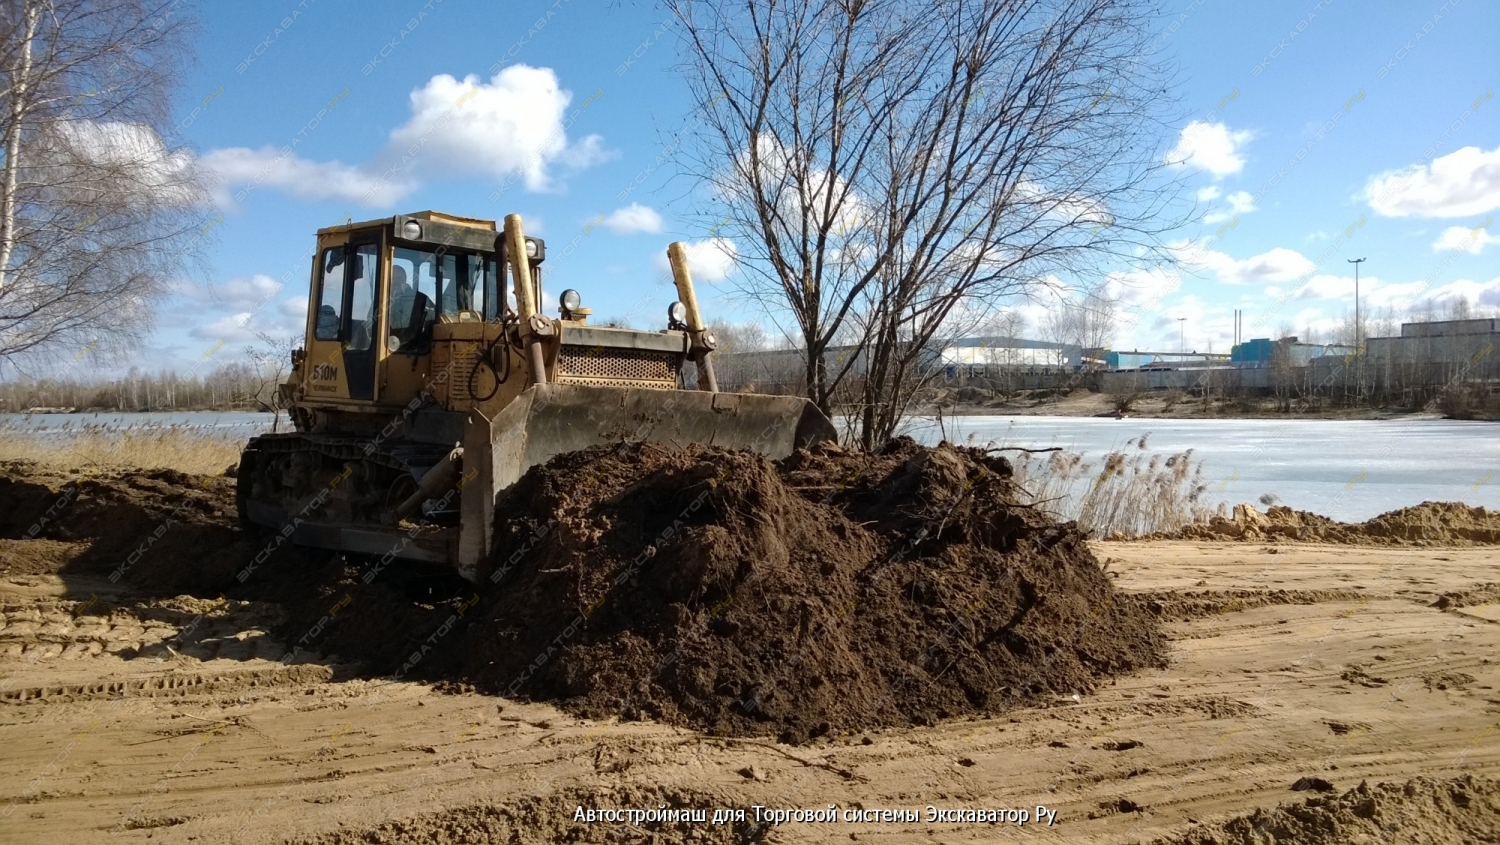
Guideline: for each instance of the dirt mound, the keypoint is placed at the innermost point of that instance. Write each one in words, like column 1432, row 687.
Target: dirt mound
column 1430, row 523
column 831, row 592
column 1193, row 604
column 153, row 529
column 1475, row 595
column 1462, row 809
column 161, row 532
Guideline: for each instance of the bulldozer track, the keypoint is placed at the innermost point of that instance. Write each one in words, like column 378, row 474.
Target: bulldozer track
column 385, row 471
column 59, row 630
column 170, row 686
column 395, row 454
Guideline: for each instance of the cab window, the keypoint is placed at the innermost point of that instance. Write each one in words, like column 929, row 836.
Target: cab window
column 413, row 299
column 363, row 277
column 426, row 286
column 467, row 285
column 346, row 299
column 331, row 300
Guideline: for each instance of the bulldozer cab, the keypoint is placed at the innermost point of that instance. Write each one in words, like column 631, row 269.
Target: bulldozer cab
column 378, row 293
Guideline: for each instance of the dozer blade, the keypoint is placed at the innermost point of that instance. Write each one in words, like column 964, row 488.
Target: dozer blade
column 550, row 419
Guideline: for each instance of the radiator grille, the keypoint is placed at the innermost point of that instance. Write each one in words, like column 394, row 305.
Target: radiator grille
column 599, row 365
column 465, row 358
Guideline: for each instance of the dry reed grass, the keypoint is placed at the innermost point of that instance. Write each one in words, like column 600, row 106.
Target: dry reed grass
column 186, row 448
column 1133, row 492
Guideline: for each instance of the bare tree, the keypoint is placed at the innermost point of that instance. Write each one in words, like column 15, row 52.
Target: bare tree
column 270, row 365
column 740, row 360
column 1460, row 308
column 1284, row 370
column 1009, row 324
column 899, row 165
column 1056, row 329
column 740, row 337
column 98, row 209
column 1087, row 319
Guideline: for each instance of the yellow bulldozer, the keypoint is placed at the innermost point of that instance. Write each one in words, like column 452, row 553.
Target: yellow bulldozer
column 421, row 393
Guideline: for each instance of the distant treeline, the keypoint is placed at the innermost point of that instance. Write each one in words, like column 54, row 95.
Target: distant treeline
column 236, row 386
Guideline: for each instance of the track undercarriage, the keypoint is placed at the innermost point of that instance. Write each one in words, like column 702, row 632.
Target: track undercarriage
column 332, row 489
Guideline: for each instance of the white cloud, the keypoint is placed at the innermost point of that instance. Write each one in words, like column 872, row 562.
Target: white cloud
column 1397, row 295
column 1400, row 297
column 1073, row 207
column 1166, row 334
column 231, row 328
column 1209, row 194
column 242, row 171
column 1472, row 241
column 1482, row 294
column 1463, row 183
column 1142, row 289
column 129, row 150
column 1240, row 202
column 1210, row 146
column 512, row 127
column 1333, row 287
column 295, row 308
column 804, row 189
column 1276, row 265
column 634, row 218
column 246, row 293
column 709, row 261
column 253, row 308
column 1140, row 294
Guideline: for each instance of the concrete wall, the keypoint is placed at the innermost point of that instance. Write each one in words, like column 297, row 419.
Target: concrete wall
column 1215, row 378
column 1440, row 349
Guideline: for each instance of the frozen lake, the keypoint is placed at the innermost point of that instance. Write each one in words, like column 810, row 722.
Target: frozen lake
column 1346, row 469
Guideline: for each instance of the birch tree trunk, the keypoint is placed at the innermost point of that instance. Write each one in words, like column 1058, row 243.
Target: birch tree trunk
column 19, row 94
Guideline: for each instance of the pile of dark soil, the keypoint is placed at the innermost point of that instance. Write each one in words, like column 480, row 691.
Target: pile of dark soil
column 164, row 533
column 1430, row 523
column 155, row 530
column 1461, row 809
column 829, row 593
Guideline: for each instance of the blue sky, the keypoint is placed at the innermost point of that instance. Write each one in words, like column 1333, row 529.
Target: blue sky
column 1310, row 132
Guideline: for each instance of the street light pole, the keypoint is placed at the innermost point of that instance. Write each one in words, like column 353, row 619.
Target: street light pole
column 1181, row 336
column 1356, row 262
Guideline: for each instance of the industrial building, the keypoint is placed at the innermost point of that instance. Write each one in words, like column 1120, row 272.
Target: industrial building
column 1261, row 352
column 1423, row 358
column 1000, row 351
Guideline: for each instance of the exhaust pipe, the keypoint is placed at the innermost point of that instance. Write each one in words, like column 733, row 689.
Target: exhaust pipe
column 533, row 325
column 701, row 343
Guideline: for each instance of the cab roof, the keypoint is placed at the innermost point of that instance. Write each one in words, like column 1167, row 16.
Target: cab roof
column 438, row 216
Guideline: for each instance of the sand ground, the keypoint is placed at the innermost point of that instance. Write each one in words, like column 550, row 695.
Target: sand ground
column 175, row 723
